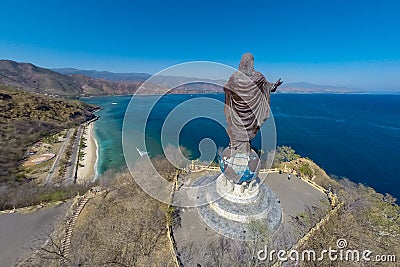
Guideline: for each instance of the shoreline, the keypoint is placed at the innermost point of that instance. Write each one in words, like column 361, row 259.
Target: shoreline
column 88, row 172
column 96, row 173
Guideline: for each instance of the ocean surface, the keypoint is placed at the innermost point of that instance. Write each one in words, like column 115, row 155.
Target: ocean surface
column 349, row 135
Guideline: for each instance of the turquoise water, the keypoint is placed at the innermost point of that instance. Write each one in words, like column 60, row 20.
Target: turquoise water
column 351, row 135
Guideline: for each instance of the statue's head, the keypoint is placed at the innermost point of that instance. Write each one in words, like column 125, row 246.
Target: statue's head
column 246, row 64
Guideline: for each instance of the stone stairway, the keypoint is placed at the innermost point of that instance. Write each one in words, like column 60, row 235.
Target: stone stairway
column 66, row 241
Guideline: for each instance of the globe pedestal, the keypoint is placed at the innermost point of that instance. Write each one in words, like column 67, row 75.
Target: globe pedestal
column 237, row 206
column 239, row 166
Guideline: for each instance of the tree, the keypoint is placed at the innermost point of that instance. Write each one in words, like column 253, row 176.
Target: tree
column 307, row 169
column 285, row 154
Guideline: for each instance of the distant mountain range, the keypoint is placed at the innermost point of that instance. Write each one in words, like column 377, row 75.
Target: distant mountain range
column 106, row 75
column 28, row 77
column 158, row 83
column 299, row 87
column 70, row 82
column 303, row 87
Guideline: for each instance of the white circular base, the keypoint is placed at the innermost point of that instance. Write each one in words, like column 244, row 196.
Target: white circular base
column 238, row 193
column 236, row 206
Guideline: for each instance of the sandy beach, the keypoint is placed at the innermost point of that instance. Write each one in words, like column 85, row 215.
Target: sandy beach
column 88, row 172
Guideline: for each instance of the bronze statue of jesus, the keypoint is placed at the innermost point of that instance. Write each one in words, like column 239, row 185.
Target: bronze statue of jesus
column 247, row 98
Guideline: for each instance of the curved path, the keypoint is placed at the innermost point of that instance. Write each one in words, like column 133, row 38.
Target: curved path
column 20, row 234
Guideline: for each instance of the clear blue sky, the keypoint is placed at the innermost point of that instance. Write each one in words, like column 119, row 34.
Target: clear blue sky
column 346, row 43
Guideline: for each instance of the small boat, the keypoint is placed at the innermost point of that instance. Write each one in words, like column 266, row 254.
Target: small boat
column 142, row 153
column 114, row 103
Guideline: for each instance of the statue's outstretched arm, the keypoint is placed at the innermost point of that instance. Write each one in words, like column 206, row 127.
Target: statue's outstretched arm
column 276, row 85
column 271, row 87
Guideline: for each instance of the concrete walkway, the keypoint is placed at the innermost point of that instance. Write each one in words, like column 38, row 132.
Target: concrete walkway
column 295, row 194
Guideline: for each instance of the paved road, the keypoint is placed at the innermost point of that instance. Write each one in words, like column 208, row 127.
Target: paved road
column 58, row 157
column 70, row 175
column 21, row 234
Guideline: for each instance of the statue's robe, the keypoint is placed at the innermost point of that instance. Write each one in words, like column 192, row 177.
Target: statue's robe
column 247, row 101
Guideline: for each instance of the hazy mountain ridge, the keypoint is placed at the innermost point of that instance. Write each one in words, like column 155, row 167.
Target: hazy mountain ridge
column 31, row 78
column 73, row 82
column 304, row 87
column 106, row 75
column 28, row 77
column 212, row 85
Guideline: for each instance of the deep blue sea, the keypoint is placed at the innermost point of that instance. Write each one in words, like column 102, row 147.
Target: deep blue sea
column 351, row 135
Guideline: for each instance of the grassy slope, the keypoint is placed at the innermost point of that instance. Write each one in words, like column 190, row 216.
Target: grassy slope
column 369, row 220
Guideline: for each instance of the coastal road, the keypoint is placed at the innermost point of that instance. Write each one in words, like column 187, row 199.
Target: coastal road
column 71, row 169
column 60, row 154
column 21, row 234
